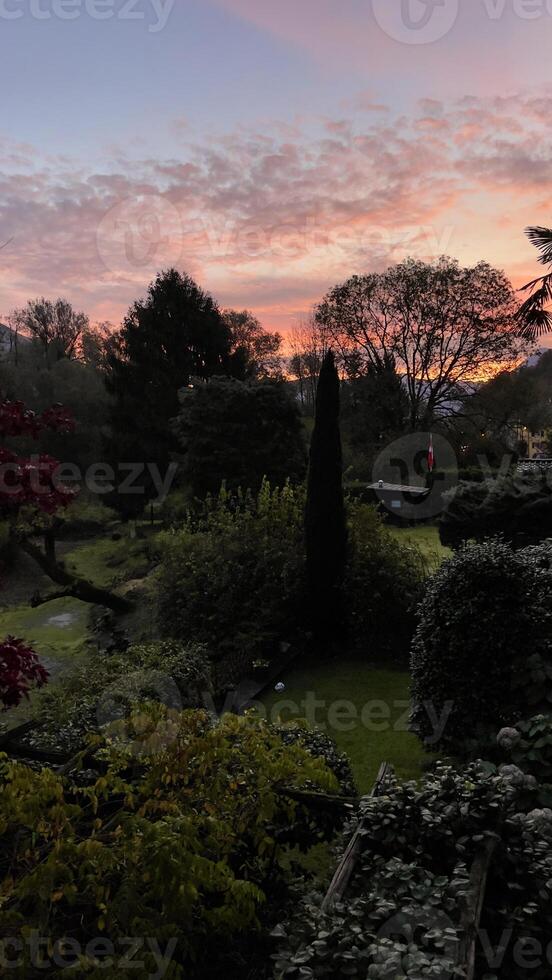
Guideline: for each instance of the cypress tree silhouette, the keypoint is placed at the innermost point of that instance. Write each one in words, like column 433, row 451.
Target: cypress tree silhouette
column 325, row 524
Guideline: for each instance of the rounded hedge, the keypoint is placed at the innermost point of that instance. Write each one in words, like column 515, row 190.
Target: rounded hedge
column 322, row 746
column 482, row 651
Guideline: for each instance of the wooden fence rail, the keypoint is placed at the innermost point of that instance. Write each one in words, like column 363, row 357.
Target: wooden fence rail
column 342, row 876
column 474, row 902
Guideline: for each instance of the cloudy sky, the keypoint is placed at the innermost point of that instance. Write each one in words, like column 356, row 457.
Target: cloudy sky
column 269, row 147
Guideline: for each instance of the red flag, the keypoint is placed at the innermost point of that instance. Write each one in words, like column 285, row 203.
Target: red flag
column 430, row 455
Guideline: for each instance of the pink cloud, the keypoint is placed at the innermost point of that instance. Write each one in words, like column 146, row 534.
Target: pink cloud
column 271, row 218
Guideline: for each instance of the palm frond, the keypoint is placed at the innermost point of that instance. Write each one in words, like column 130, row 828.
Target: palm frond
column 533, row 317
column 535, row 320
column 542, row 292
column 541, row 238
column 532, row 284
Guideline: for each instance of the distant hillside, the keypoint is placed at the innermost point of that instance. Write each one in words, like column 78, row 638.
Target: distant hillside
column 9, row 340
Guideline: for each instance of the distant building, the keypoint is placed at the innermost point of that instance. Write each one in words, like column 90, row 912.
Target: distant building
column 537, row 458
column 535, row 444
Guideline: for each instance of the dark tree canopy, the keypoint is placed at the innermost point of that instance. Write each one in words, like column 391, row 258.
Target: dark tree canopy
column 513, row 404
column 325, row 524
column 308, row 346
column 375, row 408
column 172, row 336
column 255, row 352
column 445, row 327
column 56, row 326
column 77, row 384
column 239, row 433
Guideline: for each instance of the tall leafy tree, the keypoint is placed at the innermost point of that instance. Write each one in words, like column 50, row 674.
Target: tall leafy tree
column 239, row 433
column 175, row 334
column 56, row 326
column 325, row 523
column 445, row 327
column 375, row 408
column 308, row 344
column 255, row 352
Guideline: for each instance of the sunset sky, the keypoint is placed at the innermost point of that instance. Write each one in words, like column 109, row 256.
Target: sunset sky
column 270, row 148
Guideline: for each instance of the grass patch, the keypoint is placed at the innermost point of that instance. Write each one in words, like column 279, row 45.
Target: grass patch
column 426, row 538
column 345, row 688
column 58, row 633
column 105, row 562
column 57, row 630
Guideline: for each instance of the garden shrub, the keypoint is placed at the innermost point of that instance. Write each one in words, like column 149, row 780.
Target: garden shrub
column 104, row 689
column 322, row 746
column 186, row 665
column 482, row 654
column 529, row 746
column 517, row 507
column 189, row 845
column 383, row 584
column 232, row 578
column 402, row 915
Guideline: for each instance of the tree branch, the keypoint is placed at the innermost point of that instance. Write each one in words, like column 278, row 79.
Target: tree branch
column 73, row 586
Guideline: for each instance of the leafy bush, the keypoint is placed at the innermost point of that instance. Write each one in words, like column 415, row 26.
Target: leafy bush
column 517, row 507
column 176, row 507
column 383, row 584
column 86, row 517
column 186, row 846
column 233, row 577
column 403, row 912
column 482, row 649
column 529, row 746
column 102, row 690
column 321, row 746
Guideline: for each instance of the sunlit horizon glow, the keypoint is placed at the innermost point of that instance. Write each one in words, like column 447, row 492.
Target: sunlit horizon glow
column 268, row 159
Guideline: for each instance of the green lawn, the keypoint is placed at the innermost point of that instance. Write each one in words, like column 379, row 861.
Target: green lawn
column 364, row 709
column 106, row 562
column 58, row 632
column 426, row 538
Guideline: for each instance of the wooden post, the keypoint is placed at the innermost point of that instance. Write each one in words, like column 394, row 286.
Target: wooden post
column 471, row 916
column 342, row 876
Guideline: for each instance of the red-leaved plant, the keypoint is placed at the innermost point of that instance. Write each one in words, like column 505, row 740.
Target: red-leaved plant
column 31, row 480
column 20, row 669
column 27, row 481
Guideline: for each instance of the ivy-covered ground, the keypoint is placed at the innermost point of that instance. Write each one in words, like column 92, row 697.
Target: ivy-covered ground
column 383, row 736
